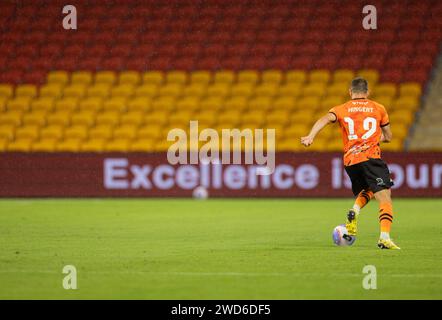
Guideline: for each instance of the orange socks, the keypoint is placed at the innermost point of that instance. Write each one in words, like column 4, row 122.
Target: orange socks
column 385, row 216
column 361, row 201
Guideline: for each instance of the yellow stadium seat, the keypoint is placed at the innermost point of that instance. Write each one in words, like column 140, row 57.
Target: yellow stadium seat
column 266, row 89
column 75, row 90
column 385, row 89
column 142, row 145
column 253, row 116
column 117, row 145
column 280, row 116
column 188, row 103
column 338, row 89
column 35, row 118
column 76, row 131
column 180, row 117
column 205, row 117
column 20, row 145
column 260, row 103
column 343, row 76
column 402, row 117
column 7, row 131
column 330, row 102
column 411, row 89
column 59, row 117
column 200, row 77
column 19, row 104
column 272, row 76
column 12, row 118
column 407, row 102
column 153, row 77
column 248, row 76
column 285, row 102
column 103, row 131
column 292, row 89
column 100, row 90
column 134, row 118
column 212, row 103
column 81, row 77
column 129, row 77
column 26, row 90
column 171, row 90
column 308, row 103
column 179, row 77
column 127, row 131
column 86, row 118
column 242, row 89
column 93, row 145
column 314, row 90
column 2, row 104
column 54, row 131
column 43, row 104
column 288, row 144
column 150, row 132
column 108, row 77
column 303, row 115
column 66, row 104
column 157, row 117
column 91, row 104
column 58, row 77
column 27, row 132
column 162, row 145
column 68, row 145
column 123, row 90
column 386, row 101
column 400, row 130
column 394, row 145
column 195, row 90
column 51, row 90
column 3, row 144
column 224, row 76
column 236, row 103
column 44, row 145
column 115, row 104
column 296, row 76
column 108, row 117
column 220, row 90
column 147, row 90
column 164, row 103
column 142, row 104
column 231, row 116
column 6, row 90
column 319, row 76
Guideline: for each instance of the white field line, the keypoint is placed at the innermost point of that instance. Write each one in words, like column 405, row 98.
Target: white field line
column 232, row 274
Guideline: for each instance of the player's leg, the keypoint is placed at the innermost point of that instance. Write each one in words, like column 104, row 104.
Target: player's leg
column 359, row 188
column 352, row 216
column 385, row 219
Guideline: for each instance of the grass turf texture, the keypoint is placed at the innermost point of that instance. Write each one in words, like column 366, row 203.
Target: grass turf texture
column 216, row 249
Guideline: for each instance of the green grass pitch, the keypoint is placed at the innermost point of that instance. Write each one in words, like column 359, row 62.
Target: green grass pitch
column 214, row 249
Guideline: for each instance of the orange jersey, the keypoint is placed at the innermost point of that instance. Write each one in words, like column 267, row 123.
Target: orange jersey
column 360, row 121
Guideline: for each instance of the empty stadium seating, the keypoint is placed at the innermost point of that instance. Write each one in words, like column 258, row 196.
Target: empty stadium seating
column 134, row 69
column 131, row 111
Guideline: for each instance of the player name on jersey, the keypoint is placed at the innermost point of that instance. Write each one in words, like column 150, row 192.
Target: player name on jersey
column 360, row 109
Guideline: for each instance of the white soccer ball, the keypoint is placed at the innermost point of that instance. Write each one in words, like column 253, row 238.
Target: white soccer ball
column 200, row 193
column 341, row 236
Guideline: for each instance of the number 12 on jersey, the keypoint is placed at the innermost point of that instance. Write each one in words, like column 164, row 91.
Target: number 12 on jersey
column 369, row 124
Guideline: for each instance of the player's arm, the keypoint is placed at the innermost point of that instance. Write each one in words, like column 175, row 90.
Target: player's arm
column 387, row 135
column 318, row 126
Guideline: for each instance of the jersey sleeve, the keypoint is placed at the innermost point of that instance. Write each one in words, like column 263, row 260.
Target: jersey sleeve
column 335, row 112
column 385, row 121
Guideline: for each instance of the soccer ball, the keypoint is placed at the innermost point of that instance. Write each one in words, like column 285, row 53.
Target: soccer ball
column 341, row 236
column 200, row 193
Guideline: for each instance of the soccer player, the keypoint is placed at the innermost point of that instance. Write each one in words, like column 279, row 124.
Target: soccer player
column 364, row 123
